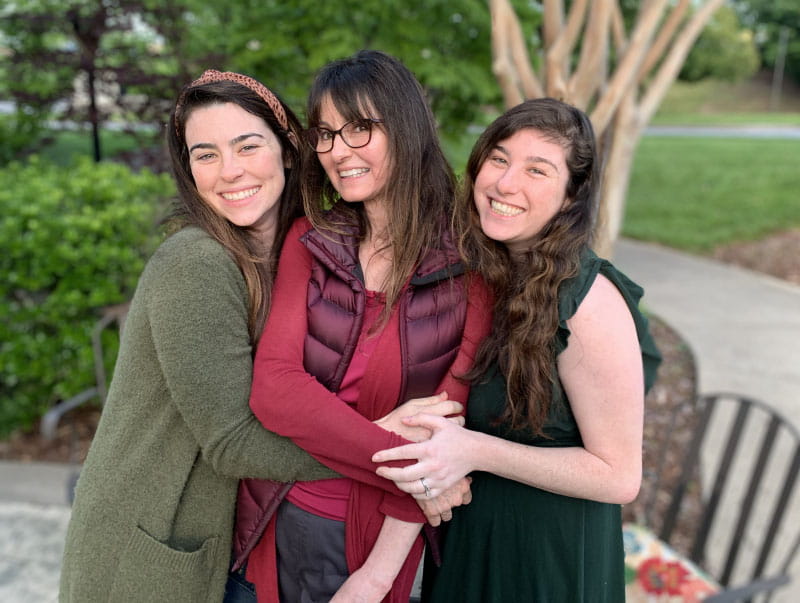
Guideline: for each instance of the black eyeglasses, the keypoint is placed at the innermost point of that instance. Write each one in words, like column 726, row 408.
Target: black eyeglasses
column 355, row 134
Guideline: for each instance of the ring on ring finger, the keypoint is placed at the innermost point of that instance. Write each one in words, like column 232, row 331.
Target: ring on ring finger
column 424, row 485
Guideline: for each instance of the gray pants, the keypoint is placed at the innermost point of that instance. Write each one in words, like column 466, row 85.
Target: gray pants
column 311, row 556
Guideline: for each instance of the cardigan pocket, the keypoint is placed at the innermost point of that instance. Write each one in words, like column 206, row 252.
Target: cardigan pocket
column 151, row 571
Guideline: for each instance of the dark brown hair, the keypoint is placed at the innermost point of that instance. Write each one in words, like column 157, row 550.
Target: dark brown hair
column 420, row 187
column 526, row 288
column 257, row 263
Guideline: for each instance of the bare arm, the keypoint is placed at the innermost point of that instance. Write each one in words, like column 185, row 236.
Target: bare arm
column 372, row 581
column 601, row 372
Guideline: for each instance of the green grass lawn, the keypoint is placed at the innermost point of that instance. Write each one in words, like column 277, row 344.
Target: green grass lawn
column 65, row 145
column 698, row 193
column 735, row 118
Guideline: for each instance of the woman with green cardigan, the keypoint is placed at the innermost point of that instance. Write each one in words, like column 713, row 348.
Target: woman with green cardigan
column 154, row 506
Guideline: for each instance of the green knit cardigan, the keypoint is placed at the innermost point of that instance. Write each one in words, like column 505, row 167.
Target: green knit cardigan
column 154, row 507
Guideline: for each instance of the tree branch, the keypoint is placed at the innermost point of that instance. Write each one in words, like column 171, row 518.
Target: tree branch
column 553, row 22
column 591, row 69
column 665, row 35
column 502, row 66
column 531, row 86
column 627, row 69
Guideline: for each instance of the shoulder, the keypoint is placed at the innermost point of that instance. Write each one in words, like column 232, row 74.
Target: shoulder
column 299, row 227
column 189, row 249
column 602, row 298
column 191, row 261
column 590, row 294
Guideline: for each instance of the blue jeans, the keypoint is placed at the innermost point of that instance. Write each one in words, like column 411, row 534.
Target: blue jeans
column 238, row 589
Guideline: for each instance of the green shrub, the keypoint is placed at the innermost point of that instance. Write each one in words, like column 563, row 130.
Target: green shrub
column 18, row 130
column 72, row 241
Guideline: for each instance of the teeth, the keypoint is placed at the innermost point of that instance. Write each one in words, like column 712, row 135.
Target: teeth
column 505, row 210
column 353, row 172
column 240, row 195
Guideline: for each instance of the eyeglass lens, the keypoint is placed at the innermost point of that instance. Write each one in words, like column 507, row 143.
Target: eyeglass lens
column 355, row 134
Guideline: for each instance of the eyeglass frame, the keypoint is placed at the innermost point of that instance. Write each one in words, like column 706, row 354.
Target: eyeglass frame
column 334, row 133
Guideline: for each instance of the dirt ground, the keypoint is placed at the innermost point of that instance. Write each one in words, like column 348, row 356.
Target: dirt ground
column 778, row 255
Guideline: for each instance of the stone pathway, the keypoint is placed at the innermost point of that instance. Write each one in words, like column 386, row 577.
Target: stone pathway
column 30, row 551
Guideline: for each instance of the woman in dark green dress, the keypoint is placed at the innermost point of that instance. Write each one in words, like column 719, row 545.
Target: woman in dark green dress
column 553, row 436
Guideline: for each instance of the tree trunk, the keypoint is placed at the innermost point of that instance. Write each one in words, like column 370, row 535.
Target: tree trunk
column 94, row 118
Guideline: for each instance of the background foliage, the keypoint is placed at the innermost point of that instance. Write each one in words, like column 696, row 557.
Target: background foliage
column 766, row 18
column 139, row 53
column 725, row 50
column 72, row 240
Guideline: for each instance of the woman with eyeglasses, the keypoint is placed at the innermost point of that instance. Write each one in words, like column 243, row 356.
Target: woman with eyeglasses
column 369, row 310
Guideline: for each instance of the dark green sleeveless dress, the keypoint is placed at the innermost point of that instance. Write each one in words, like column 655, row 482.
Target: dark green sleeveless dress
column 516, row 543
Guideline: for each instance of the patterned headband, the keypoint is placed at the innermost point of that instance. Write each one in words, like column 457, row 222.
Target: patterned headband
column 212, row 75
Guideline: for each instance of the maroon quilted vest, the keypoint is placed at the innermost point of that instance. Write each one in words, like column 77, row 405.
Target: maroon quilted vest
column 432, row 313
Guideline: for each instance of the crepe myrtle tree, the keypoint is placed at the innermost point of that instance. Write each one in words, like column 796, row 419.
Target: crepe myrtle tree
column 611, row 60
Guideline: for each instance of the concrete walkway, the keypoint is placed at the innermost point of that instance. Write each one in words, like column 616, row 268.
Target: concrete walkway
column 743, row 327
column 33, row 521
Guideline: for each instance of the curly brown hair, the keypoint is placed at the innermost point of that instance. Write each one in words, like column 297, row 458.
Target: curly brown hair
column 526, row 287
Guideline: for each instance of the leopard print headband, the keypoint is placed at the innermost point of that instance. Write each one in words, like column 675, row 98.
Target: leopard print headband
column 212, row 75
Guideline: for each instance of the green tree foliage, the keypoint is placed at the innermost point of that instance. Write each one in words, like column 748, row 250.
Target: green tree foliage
column 92, row 60
column 72, row 241
column 725, row 50
column 767, row 18
column 143, row 51
column 445, row 43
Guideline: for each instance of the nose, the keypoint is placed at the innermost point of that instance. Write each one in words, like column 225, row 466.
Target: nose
column 339, row 150
column 231, row 168
column 508, row 182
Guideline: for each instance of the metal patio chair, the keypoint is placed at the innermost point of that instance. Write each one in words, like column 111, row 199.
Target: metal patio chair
column 112, row 317
column 744, row 524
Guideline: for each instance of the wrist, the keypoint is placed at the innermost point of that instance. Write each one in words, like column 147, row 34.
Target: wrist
column 379, row 580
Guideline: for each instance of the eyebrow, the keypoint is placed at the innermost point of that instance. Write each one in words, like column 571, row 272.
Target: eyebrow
column 237, row 140
column 531, row 158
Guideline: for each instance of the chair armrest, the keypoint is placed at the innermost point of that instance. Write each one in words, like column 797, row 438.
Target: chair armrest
column 746, row 591
column 51, row 418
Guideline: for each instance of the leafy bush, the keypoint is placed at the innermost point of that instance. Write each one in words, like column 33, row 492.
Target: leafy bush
column 17, row 131
column 72, row 241
column 724, row 51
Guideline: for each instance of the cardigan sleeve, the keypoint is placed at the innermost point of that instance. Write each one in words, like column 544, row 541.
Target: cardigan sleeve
column 197, row 310
column 291, row 402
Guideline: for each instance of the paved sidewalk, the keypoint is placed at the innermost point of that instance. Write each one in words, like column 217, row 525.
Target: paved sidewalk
column 743, row 327
column 33, row 522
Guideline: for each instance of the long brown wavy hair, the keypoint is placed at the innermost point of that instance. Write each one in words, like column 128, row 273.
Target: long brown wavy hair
column 526, row 288
column 420, row 189
column 257, row 262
